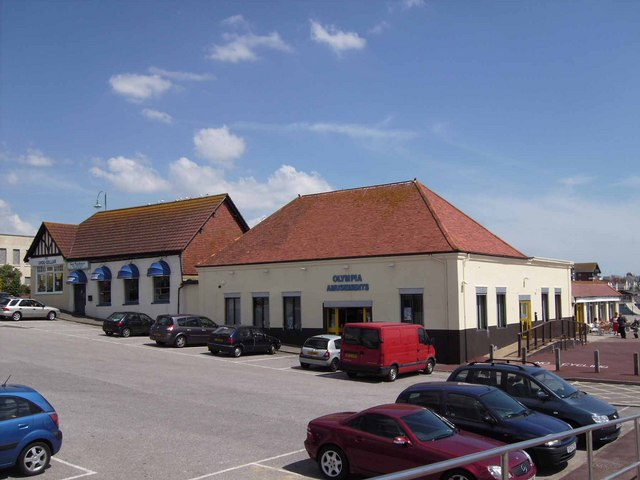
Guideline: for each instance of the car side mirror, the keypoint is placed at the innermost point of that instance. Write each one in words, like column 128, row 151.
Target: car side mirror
column 489, row 419
column 542, row 395
column 402, row 441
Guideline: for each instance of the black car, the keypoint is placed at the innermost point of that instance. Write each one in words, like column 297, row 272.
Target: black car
column 127, row 324
column 181, row 330
column 490, row 412
column 239, row 339
column 543, row 391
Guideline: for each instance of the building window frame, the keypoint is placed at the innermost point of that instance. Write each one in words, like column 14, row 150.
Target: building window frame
column 49, row 279
column 162, row 289
column 544, row 304
column 16, row 256
column 558, row 303
column 412, row 306
column 481, row 308
column 131, row 291
column 232, row 310
column 104, row 293
column 291, row 312
column 261, row 311
column 501, row 308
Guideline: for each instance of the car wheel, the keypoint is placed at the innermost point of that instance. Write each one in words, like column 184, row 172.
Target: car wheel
column 180, row 341
column 126, row 332
column 457, row 475
column 237, row 352
column 16, row 316
column 305, row 365
column 109, row 333
column 159, row 342
column 428, row 370
column 333, row 366
column 51, row 316
column 333, row 463
column 392, row 375
column 352, row 374
column 214, row 352
column 272, row 349
column 34, row 459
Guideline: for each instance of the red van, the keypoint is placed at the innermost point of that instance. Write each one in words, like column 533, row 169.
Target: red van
column 386, row 349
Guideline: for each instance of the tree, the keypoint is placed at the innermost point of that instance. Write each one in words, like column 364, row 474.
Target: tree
column 10, row 280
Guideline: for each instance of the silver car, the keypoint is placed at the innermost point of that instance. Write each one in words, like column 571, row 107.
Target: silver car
column 19, row 308
column 321, row 351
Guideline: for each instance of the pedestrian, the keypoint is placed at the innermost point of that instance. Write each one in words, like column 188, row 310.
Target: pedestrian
column 622, row 326
column 614, row 325
column 635, row 326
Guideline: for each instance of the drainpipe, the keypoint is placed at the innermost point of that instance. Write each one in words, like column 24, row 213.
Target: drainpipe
column 181, row 282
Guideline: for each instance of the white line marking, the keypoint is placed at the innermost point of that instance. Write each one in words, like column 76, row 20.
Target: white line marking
column 246, row 465
column 281, row 470
column 86, row 471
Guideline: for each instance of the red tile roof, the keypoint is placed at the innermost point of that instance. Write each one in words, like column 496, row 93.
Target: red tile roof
column 162, row 228
column 588, row 289
column 63, row 234
column 394, row 219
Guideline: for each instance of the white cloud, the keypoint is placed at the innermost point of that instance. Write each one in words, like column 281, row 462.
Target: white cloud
column 241, row 48
column 131, row 175
column 218, row 145
column 12, row 178
column 35, row 158
column 247, row 193
column 157, row 116
column 576, row 180
column 235, row 21
column 12, row 223
column 139, row 87
column 412, row 3
column 338, row 40
column 379, row 28
column 181, row 76
column 356, row 131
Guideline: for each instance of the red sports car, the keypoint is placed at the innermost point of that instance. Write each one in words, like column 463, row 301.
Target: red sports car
column 390, row 438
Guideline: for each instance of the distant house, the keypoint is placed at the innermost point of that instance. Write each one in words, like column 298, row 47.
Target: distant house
column 396, row 252
column 586, row 272
column 12, row 250
column 595, row 301
column 140, row 258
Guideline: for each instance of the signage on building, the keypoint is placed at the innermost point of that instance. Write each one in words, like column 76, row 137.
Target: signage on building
column 79, row 265
column 347, row 282
column 45, row 261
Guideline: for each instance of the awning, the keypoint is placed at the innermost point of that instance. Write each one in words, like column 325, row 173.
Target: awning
column 101, row 274
column 129, row 271
column 77, row 277
column 159, row 269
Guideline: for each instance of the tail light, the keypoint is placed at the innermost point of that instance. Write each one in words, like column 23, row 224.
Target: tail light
column 5, row 309
column 231, row 340
column 326, row 355
column 120, row 323
column 170, row 328
column 54, row 417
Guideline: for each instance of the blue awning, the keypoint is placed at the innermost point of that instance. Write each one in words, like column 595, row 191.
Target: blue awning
column 159, row 269
column 77, row 277
column 129, row 271
column 101, row 274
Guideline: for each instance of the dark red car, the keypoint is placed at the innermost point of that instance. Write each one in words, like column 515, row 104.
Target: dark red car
column 395, row 437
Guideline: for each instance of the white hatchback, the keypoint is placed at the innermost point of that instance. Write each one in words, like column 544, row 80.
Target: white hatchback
column 321, row 351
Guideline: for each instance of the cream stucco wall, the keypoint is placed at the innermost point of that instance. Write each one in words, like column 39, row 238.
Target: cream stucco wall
column 22, row 244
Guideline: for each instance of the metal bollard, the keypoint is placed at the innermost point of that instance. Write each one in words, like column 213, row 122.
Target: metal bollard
column 557, row 360
column 492, row 349
column 596, row 360
column 523, row 354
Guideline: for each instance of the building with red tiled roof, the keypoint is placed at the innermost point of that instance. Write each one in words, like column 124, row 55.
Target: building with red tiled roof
column 595, row 301
column 137, row 258
column 396, row 252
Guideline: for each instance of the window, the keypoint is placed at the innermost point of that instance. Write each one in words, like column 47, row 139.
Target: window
column 425, row 399
column 544, row 297
column 15, row 407
column 501, row 307
column 161, row 289
column 559, row 306
column 481, row 310
column 292, row 317
column 104, row 292
column 16, row 256
column 3, row 256
column 411, row 308
column 520, row 386
column 131, row 291
column 232, row 311
column 465, row 407
column 49, row 279
column 379, row 425
column 261, row 312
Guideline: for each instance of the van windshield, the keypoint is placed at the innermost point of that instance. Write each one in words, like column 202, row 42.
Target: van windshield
column 367, row 337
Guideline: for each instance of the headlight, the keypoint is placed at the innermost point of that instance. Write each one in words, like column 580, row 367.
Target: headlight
column 599, row 418
column 496, row 471
column 552, row 443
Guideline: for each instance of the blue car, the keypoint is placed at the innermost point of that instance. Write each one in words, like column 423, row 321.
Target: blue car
column 29, row 430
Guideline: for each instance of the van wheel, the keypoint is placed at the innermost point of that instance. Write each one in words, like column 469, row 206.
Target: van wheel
column 428, row 370
column 392, row 375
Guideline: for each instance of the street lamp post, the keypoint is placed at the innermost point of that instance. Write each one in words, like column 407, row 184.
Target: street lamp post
column 97, row 205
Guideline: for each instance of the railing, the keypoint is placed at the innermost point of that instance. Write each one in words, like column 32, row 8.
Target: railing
column 503, row 452
column 546, row 332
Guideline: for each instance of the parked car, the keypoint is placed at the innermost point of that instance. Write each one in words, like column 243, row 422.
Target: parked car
column 238, row 339
column 29, row 430
column 386, row 349
column 19, row 308
column 182, row 330
column 127, row 324
column 391, row 438
column 321, row 351
column 5, row 295
column 490, row 412
column 544, row 391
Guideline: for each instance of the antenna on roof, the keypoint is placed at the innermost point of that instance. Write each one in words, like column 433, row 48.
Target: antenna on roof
column 5, row 382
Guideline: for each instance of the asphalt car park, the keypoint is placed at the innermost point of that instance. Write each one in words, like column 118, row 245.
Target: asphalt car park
column 132, row 409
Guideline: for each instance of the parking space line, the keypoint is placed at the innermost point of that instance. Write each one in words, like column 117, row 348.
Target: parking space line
column 86, row 471
column 257, row 462
column 280, row 470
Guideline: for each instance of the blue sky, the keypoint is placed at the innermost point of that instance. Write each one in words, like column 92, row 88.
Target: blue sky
column 525, row 115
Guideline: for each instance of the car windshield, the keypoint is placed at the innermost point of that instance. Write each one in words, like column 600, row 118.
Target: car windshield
column 503, row 405
column 556, row 384
column 427, row 426
column 317, row 342
column 116, row 316
column 367, row 337
column 224, row 330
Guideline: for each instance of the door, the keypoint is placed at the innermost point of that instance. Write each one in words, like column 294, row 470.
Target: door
column 248, row 340
column 135, row 324
column 79, row 298
column 14, row 426
column 525, row 315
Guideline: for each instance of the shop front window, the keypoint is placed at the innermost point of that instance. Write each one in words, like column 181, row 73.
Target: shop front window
column 292, row 314
column 261, row 312
column 161, row 289
column 104, row 292
column 49, row 279
column 411, row 309
column 131, row 291
column 232, row 311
